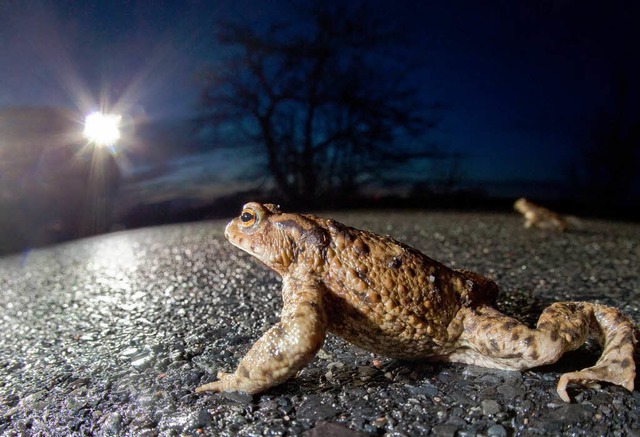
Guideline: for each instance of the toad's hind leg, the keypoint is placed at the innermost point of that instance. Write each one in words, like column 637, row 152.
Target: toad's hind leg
column 492, row 339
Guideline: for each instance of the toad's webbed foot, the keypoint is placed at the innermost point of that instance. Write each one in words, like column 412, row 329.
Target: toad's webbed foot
column 616, row 364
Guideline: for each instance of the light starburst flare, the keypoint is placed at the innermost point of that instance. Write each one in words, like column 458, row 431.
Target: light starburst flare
column 102, row 129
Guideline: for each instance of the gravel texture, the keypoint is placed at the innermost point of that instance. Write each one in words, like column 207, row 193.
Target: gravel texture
column 111, row 335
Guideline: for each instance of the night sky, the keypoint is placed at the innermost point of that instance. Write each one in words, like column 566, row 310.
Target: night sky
column 522, row 79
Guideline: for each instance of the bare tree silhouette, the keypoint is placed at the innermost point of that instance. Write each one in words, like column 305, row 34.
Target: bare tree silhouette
column 323, row 98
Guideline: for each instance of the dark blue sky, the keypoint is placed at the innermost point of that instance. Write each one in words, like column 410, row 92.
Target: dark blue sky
column 522, row 78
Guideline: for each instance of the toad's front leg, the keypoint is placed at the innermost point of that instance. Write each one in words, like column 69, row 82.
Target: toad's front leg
column 285, row 348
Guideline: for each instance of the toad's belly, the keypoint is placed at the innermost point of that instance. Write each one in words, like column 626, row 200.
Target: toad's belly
column 396, row 347
column 396, row 338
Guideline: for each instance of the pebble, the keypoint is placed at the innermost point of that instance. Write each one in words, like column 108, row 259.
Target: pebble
column 112, row 423
column 324, row 429
column 426, row 389
column 316, row 407
column 509, row 391
column 445, row 430
column 489, row 407
column 239, row 397
column 497, row 431
column 467, row 432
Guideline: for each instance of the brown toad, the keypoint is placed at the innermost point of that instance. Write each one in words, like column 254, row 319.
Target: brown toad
column 391, row 299
column 536, row 216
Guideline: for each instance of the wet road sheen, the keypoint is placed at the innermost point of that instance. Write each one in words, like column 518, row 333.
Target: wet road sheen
column 111, row 335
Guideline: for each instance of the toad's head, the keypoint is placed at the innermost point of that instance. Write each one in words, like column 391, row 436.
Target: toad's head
column 277, row 239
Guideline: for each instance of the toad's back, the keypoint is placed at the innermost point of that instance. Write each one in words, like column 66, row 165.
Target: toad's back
column 388, row 297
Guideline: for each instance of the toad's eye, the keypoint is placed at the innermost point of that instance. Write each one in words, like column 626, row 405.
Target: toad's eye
column 248, row 218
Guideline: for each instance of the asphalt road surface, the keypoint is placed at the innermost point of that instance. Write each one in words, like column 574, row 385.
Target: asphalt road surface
column 111, row 335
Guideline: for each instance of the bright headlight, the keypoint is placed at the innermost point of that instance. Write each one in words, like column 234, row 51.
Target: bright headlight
column 102, row 129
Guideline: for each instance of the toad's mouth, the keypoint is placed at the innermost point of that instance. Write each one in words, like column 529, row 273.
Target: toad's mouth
column 227, row 233
column 241, row 241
